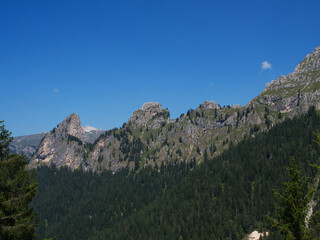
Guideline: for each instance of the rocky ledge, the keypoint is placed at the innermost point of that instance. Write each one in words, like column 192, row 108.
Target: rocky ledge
column 151, row 115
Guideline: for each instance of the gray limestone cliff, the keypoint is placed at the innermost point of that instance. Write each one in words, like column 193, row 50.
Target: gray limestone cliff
column 150, row 115
column 62, row 146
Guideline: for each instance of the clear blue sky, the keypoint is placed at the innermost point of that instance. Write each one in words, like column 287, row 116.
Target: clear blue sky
column 104, row 59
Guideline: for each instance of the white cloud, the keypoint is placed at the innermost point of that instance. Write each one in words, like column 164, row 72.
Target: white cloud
column 266, row 65
column 55, row 90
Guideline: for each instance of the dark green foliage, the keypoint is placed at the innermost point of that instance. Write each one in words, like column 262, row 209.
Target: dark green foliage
column 131, row 149
column 165, row 114
column 198, row 150
column 105, row 134
column 165, row 142
column 222, row 198
column 213, row 149
column 77, row 205
column 17, row 189
column 178, row 151
column 255, row 128
column 267, row 111
column 189, row 112
column 5, row 139
column 293, row 207
column 71, row 138
column 233, row 196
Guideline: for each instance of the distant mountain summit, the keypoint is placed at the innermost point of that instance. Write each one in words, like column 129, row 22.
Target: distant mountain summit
column 296, row 91
column 90, row 134
column 150, row 137
column 26, row 144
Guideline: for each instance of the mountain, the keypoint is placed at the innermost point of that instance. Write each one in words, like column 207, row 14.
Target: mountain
column 28, row 144
column 295, row 92
column 226, row 197
column 150, row 137
column 63, row 146
column 90, row 134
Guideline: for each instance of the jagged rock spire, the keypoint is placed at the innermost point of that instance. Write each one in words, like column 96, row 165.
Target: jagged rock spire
column 62, row 146
column 71, row 125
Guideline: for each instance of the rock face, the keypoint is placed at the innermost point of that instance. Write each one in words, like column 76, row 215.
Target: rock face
column 62, row 146
column 151, row 115
column 298, row 90
column 210, row 105
column 310, row 63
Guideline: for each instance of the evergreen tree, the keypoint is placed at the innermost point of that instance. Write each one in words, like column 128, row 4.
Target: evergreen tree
column 292, row 220
column 17, row 189
column 5, row 140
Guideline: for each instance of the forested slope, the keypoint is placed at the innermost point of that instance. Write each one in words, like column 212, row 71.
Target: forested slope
column 221, row 198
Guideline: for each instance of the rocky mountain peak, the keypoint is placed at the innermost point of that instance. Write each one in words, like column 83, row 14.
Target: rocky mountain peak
column 310, row 63
column 71, row 125
column 298, row 90
column 306, row 72
column 210, row 105
column 151, row 105
column 150, row 114
column 62, row 146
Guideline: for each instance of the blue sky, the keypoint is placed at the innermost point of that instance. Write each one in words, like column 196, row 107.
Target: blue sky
column 104, row 59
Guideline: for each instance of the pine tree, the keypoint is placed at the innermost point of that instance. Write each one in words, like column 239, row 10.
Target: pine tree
column 291, row 220
column 5, row 140
column 17, row 189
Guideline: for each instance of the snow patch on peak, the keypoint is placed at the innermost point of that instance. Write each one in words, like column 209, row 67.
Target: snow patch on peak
column 89, row 129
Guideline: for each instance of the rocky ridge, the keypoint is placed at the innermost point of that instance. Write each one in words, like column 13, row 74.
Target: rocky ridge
column 297, row 90
column 151, row 138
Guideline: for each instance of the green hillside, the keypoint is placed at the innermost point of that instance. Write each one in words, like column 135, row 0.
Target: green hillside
column 221, row 198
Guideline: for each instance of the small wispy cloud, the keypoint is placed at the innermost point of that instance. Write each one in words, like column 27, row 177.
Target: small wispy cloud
column 266, row 65
column 55, row 90
column 211, row 85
